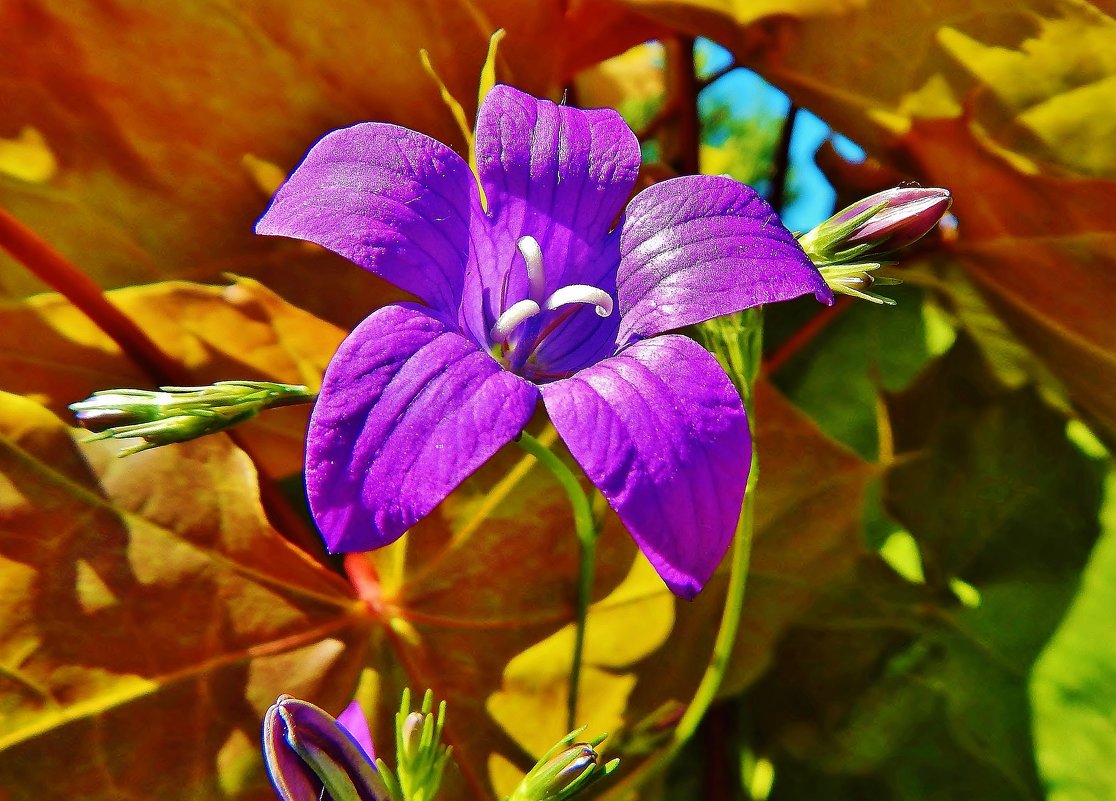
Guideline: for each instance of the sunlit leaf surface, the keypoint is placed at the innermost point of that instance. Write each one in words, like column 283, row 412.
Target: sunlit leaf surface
column 150, row 613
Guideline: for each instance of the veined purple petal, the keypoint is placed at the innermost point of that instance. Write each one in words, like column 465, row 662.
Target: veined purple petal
column 556, row 173
column 356, row 723
column 408, row 408
column 661, row 431
column 700, row 246
column 392, row 200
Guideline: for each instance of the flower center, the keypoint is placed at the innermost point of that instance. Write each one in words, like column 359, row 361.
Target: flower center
column 526, row 324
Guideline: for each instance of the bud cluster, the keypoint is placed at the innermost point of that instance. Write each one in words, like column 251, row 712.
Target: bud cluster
column 178, row 414
column 565, row 770
column 420, row 756
column 853, row 243
column 311, row 756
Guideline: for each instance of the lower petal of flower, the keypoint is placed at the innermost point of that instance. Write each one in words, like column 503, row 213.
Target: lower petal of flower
column 409, row 407
column 661, row 431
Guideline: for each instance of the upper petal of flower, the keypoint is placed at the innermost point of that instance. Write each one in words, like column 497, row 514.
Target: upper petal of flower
column 556, row 173
column 701, row 246
column 409, row 407
column 392, row 200
column 661, row 431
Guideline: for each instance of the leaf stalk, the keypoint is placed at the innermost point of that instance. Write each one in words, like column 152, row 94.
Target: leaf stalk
column 587, row 534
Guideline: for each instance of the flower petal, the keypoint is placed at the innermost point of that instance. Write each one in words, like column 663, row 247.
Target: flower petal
column 408, row 408
column 556, row 173
column 697, row 247
column 661, row 431
column 355, row 722
column 393, row 201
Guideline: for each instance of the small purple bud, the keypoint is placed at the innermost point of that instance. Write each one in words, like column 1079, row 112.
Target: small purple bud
column 307, row 750
column 564, row 771
column 572, row 762
column 292, row 778
column 877, row 225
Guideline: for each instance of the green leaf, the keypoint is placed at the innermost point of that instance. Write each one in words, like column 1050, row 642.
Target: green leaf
column 1073, row 686
column 838, row 380
column 895, row 690
column 986, row 463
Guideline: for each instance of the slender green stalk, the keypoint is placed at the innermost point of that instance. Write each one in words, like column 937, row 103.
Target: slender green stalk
column 737, row 341
column 587, row 534
column 714, row 675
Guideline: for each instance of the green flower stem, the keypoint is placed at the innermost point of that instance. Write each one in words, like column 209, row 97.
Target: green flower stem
column 737, row 341
column 587, row 534
column 714, row 675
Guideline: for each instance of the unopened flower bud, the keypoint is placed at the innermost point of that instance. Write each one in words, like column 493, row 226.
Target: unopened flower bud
column 564, row 770
column 410, row 733
column 178, row 414
column 420, row 755
column 877, row 225
column 307, row 751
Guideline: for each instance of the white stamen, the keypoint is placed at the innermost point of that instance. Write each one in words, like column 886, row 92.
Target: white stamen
column 532, row 254
column 511, row 319
column 581, row 293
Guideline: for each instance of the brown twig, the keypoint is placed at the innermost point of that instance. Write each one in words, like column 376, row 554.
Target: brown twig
column 680, row 138
column 719, row 775
column 781, row 166
column 805, row 335
column 656, row 122
column 708, row 80
column 47, row 264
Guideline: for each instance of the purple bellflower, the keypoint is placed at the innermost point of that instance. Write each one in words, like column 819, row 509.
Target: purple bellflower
column 543, row 287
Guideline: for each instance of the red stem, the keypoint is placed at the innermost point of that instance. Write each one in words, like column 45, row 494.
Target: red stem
column 362, row 575
column 26, row 247
column 53, row 269
column 805, row 335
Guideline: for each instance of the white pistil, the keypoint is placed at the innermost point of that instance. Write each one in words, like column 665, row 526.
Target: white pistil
column 580, row 293
column 510, row 320
column 532, row 254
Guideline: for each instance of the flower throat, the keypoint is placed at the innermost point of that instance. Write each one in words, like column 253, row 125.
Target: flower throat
column 522, row 327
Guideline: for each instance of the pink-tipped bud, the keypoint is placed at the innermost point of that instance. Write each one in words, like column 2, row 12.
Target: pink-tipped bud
column 877, row 225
